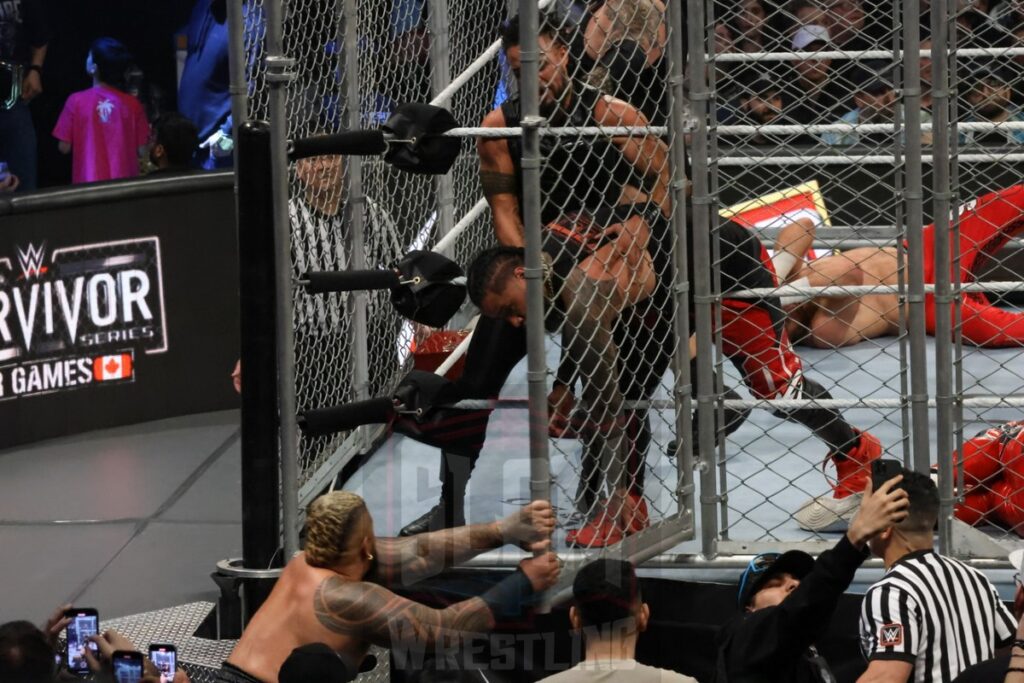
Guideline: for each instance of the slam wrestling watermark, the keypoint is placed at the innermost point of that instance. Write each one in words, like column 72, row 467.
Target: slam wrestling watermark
column 76, row 316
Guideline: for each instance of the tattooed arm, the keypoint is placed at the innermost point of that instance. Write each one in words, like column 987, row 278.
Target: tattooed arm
column 648, row 154
column 403, row 561
column 373, row 613
column 498, row 178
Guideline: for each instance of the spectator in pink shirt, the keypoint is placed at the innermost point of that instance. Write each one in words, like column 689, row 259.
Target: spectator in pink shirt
column 104, row 128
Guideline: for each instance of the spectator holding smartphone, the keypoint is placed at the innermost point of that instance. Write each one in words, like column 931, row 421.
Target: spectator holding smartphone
column 103, row 128
column 787, row 600
column 109, row 642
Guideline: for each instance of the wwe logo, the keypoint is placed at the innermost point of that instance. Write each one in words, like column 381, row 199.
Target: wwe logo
column 31, row 260
column 891, row 635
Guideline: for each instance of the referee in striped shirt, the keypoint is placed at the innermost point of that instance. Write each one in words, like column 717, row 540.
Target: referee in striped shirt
column 930, row 617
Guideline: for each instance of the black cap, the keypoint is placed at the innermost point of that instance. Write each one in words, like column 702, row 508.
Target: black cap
column 606, row 591
column 761, row 86
column 873, row 76
column 796, row 563
column 986, row 73
column 315, row 663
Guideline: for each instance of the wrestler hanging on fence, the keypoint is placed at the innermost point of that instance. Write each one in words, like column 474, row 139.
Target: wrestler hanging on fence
column 585, row 177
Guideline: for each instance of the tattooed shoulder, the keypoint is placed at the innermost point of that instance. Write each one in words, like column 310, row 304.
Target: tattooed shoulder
column 344, row 607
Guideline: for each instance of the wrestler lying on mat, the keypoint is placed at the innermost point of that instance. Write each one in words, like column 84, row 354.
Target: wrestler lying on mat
column 986, row 224
column 993, row 463
column 335, row 592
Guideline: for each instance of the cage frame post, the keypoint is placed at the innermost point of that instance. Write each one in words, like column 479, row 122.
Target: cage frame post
column 529, row 93
column 355, row 206
column 918, row 398
column 683, row 386
column 701, row 202
column 908, row 193
column 941, row 198
column 440, row 79
column 279, row 75
column 260, row 467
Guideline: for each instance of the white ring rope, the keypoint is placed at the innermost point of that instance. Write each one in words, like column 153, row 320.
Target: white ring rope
column 861, row 290
column 790, row 56
column 558, row 131
column 766, row 404
column 797, row 128
column 853, row 159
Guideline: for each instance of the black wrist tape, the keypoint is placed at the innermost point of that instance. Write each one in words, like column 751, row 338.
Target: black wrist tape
column 508, row 598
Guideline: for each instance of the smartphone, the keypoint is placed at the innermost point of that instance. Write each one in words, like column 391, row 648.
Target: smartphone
column 884, row 470
column 127, row 665
column 85, row 622
column 165, row 659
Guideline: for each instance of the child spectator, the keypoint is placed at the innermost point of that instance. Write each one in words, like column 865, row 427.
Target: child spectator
column 104, row 127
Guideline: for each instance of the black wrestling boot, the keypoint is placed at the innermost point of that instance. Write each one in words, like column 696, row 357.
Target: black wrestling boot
column 450, row 511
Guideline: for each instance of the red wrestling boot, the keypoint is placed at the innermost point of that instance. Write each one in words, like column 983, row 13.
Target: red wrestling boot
column 634, row 516
column 600, row 532
column 853, row 468
column 611, row 526
column 824, row 513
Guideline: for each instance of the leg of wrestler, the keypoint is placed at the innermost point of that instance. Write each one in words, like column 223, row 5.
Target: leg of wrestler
column 988, row 225
column 644, row 336
column 984, row 229
column 772, row 370
column 588, row 338
column 495, row 349
column 989, row 326
column 1009, row 493
column 755, row 337
column 982, row 471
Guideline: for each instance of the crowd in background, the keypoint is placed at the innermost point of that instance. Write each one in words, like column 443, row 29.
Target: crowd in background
column 822, row 90
column 158, row 100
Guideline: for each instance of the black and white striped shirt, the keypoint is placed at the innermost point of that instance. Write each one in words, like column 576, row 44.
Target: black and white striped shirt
column 935, row 613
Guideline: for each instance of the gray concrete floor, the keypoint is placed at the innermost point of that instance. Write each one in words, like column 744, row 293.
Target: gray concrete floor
column 124, row 520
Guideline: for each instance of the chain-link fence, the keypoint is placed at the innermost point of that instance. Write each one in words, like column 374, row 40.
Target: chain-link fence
column 607, row 247
column 821, row 97
column 832, row 232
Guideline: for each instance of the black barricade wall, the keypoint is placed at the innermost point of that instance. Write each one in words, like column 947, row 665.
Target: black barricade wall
column 862, row 194
column 118, row 304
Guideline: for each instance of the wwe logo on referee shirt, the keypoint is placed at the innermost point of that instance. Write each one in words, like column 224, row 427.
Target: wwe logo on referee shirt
column 890, row 635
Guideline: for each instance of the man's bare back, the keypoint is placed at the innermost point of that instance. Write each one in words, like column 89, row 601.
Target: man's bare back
column 345, row 603
column 828, row 322
column 267, row 642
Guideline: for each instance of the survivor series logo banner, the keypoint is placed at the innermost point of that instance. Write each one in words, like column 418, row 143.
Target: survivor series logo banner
column 78, row 316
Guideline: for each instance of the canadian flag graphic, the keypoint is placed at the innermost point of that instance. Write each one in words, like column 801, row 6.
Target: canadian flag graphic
column 105, row 368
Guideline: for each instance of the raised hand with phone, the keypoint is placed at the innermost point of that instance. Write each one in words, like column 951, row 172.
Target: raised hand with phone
column 884, row 503
column 117, row 660
column 81, row 626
